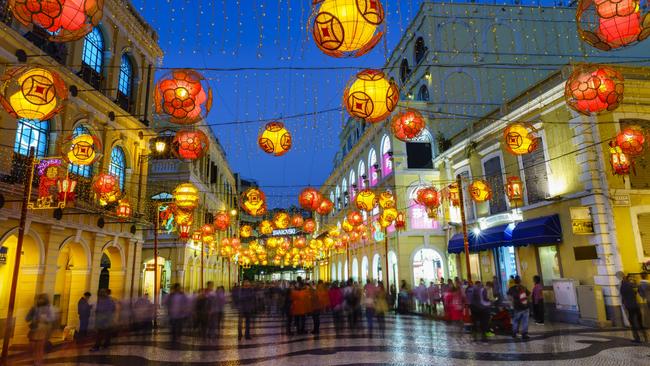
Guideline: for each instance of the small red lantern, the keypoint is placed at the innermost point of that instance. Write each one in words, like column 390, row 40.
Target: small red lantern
column 66, row 187
column 196, row 236
column 297, row 221
column 610, row 24
column 106, row 188
column 300, row 242
column 592, row 89
column 190, row 145
column 515, row 191
column 621, row 163
column 184, row 96
column 400, row 221
column 407, row 125
column 428, row 197
column 631, row 141
column 355, row 218
column 454, row 194
column 325, row 208
column 123, row 210
column 221, row 220
column 309, row 226
column 184, row 231
column 310, row 199
column 480, row 191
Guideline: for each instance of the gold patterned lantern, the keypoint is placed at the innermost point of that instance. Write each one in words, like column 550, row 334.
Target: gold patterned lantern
column 253, row 202
column 371, row 96
column 592, row 89
column 245, row 231
column 520, row 138
column 124, row 209
column 480, row 191
column 81, row 150
column 611, row 24
column 30, row 92
column 344, row 28
column 281, row 220
column 389, row 215
column 186, row 196
column 347, row 226
column 386, row 200
column 366, row 200
column 183, row 96
column 266, row 227
column 106, row 188
column 275, row 139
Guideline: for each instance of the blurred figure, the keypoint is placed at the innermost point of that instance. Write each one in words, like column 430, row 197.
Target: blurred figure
column 538, row 300
column 245, row 303
column 300, row 305
column 369, row 304
column 352, row 299
column 83, row 309
column 218, row 302
column 392, row 297
column 41, row 319
column 644, row 289
column 519, row 298
column 403, row 298
column 433, row 293
column 420, row 293
column 143, row 314
column 628, row 297
column 104, row 317
column 480, row 306
column 335, row 295
column 202, row 313
column 320, row 303
column 176, row 303
column 286, row 307
column 381, row 308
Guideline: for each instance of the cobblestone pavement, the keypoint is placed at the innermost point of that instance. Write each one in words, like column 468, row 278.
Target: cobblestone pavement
column 409, row 341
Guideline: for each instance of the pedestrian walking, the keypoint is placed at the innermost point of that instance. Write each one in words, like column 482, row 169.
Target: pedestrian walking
column 83, row 309
column 480, row 306
column 628, row 297
column 381, row 308
column 245, row 302
column 300, row 305
column 335, row 295
column 538, row 300
column 518, row 295
column 369, row 305
column 177, row 304
column 104, row 320
column 41, row 321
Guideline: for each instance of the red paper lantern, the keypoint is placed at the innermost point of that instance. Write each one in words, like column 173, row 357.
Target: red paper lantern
column 355, row 218
column 407, row 125
column 610, row 24
column 300, row 242
column 621, row 163
column 631, row 141
column 310, row 199
column 207, row 233
column 184, row 231
column 325, row 208
column 190, row 145
column 400, row 221
column 106, row 188
column 428, row 197
column 309, row 226
column 593, row 89
column 297, row 221
column 183, row 96
column 221, row 220
column 515, row 190
column 454, row 194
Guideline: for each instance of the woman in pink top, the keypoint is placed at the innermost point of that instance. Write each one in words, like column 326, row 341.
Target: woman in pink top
column 336, row 303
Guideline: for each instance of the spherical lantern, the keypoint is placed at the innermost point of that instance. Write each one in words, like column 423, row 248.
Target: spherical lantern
column 124, row 209
column 520, row 138
column 253, row 202
column 81, row 150
column 631, row 140
column 275, row 139
column 190, row 145
column 344, row 28
column 371, row 96
column 407, row 125
column 621, row 163
column 106, row 188
column 281, row 220
column 386, row 200
column 325, row 208
column 515, row 190
column 389, row 215
column 310, row 199
column 593, row 89
column 221, row 220
column 480, row 190
column 309, row 226
column 207, row 233
column 245, row 231
column 186, row 196
column 366, row 200
column 355, row 218
column 300, row 242
column 610, row 24
column 428, row 197
column 266, row 227
column 34, row 93
column 347, row 226
column 297, row 220
column 383, row 223
column 183, row 96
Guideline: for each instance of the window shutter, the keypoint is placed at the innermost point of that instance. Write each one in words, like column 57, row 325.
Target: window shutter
column 644, row 229
column 494, row 176
column 536, row 175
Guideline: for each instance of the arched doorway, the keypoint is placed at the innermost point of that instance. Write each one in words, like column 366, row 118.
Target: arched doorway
column 428, row 266
column 112, row 271
column 355, row 269
column 376, row 268
column 334, row 272
column 393, row 274
column 149, row 278
column 364, row 269
column 346, row 275
column 71, row 281
column 104, row 275
column 339, row 273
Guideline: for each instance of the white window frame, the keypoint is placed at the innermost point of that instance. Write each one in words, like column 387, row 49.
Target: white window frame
column 635, row 211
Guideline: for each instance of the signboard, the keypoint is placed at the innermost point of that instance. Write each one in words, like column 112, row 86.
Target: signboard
column 581, row 221
column 621, row 200
column 3, row 255
column 55, row 188
column 166, row 224
column 285, row 232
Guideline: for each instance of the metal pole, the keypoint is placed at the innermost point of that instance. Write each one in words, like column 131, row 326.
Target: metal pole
column 19, row 247
column 386, row 250
column 347, row 249
column 202, row 249
column 228, row 261
column 155, row 266
column 459, row 181
column 135, row 249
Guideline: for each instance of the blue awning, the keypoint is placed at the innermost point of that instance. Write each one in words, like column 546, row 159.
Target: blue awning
column 457, row 243
column 542, row 230
column 494, row 237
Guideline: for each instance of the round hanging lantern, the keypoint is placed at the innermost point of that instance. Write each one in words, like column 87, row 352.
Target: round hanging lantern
column 207, row 233
column 389, row 215
column 186, row 196
column 183, row 96
column 621, row 163
column 106, row 188
column 33, row 93
column 81, row 150
column 221, row 220
column 266, row 227
column 355, row 218
column 520, row 138
column 281, row 220
column 309, row 226
column 275, row 139
column 366, row 200
column 515, row 190
column 592, row 89
column 371, row 96
column 235, row 243
column 297, row 220
column 345, row 28
column 428, row 197
column 386, row 200
column 480, row 191
column 347, row 226
column 310, row 199
column 253, row 202
column 190, row 145
column 123, row 210
column 383, row 223
column 631, row 140
column 300, row 242
column 245, row 231
column 610, row 24
column 325, row 208
column 407, row 125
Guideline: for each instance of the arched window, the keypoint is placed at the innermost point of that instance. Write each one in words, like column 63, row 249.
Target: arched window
column 355, row 269
column 32, row 133
column 346, row 194
column 404, row 70
column 386, row 157
column 338, row 198
column 373, row 166
column 125, row 83
column 364, row 270
column 377, row 274
column 427, row 266
column 419, row 50
column 117, row 166
column 92, row 57
column 80, row 170
column 362, row 175
column 423, row 94
column 332, row 198
column 351, row 189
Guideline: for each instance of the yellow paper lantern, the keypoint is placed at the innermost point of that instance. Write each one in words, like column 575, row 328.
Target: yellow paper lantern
column 389, row 215
column 253, row 202
column 81, row 150
column 186, row 196
column 366, row 200
column 33, row 93
column 281, row 220
column 480, row 191
column 245, row 231
column 275, row 139
column 386, row 200
column 371, row 96
column 347, row 226
column 266, row 227
column 520, row 138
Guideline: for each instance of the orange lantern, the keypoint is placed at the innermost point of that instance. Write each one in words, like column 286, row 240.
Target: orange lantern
column 297, row 220
column 407, row 125
column 454, row 194
column 515, row 190
column 520, row 138
column 190, row 145
column 386, row 200
column 34, row 93
column 428, row 197
column 310, row 199
column 221, row 220
column 309, row 226
column 347, row 226
column 253, row 202
column 281, row 220
column 123, row 210
column 186, row 196
column 184, row 231
column 610, row 24
column 196, row 236
column 370, row 96
column 245, row 231
column 300, row 242
column 593, row 89
column 235, row 243
column 400, row 221
column 355, row 218
column 207, row 233
column 366, row 200
column 347, row 27
column 480, row 190
column 266, row 227
column 106, row 188
column 325, row 208
column 631, row 141
column 275, row 139
column 621, row 163
column 183, row 96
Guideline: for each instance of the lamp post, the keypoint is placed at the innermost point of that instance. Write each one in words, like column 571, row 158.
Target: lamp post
column 459, row 181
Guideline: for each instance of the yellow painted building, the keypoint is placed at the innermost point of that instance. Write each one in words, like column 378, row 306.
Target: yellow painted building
column 112, row 69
